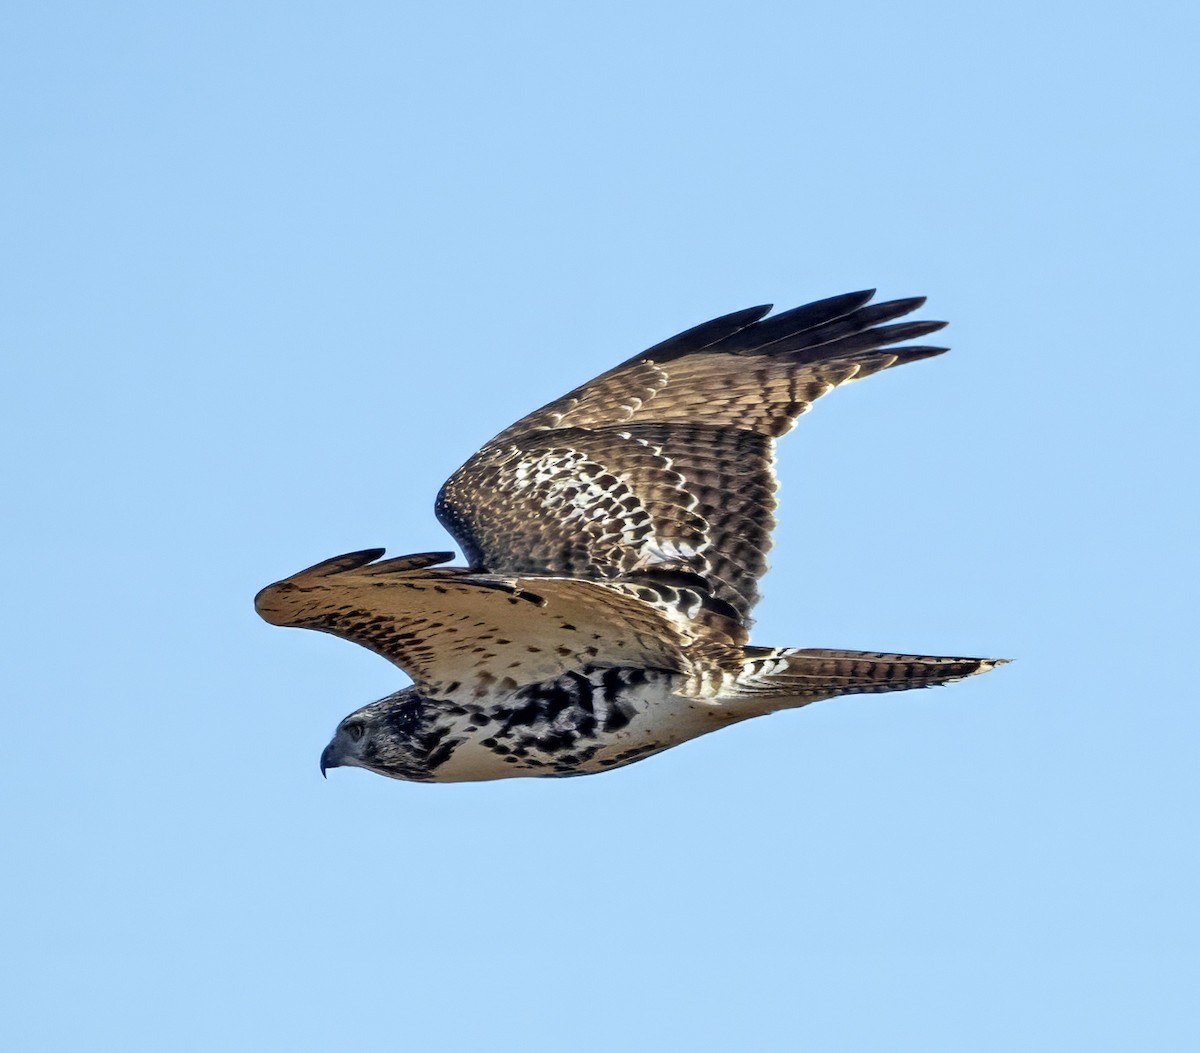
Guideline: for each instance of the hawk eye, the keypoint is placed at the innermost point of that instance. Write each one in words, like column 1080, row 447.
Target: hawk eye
column 355, row 731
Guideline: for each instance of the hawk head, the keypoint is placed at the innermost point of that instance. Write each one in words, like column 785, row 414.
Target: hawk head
column 385, row 737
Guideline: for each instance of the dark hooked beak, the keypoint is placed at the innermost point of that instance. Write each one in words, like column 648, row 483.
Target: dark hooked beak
column 329, row 759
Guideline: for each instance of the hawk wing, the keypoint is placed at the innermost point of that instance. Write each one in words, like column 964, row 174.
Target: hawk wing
column 665, row 464
column 453, row 630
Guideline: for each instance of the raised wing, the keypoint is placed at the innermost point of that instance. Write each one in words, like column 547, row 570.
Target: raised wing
column 455, row 631
column 666, row 463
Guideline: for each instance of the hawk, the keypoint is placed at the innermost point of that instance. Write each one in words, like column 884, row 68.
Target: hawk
column 615, row 540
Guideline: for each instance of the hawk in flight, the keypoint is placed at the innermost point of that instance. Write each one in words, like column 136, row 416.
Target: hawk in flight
column 616, row 538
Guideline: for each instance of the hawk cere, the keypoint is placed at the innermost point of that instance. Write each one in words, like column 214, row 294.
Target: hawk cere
column 616, row 538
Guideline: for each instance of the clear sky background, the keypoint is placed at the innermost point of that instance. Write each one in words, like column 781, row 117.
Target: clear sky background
column 273, row 271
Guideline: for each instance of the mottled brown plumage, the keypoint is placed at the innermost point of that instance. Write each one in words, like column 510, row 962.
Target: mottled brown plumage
column 454, row 630
column 616, row 539
column 671, row 454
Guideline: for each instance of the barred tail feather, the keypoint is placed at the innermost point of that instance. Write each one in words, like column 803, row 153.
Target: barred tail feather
column 792, row 676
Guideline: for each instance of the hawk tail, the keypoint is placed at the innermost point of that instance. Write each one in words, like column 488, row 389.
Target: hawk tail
column 788, row 677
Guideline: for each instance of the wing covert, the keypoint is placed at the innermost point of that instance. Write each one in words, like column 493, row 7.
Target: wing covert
column 667, row 460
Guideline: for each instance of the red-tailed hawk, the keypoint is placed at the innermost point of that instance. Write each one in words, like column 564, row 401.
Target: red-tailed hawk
column 616, row 538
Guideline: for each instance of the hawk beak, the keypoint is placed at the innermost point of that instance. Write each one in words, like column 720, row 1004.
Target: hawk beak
column 328, row 760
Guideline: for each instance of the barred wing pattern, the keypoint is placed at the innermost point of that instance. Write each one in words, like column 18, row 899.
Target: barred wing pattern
column 664, row 465
column 454, row 631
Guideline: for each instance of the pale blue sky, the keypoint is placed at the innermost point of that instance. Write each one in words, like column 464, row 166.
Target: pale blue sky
column 273, row 271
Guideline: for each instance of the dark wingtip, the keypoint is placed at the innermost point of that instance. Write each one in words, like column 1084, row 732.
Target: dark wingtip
column 834, row 306
column 889, row 309
column 858, row 298
column 895, row 334
column 416, row 561
column 703, row 335
column 917, row 352
column 343, row 563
